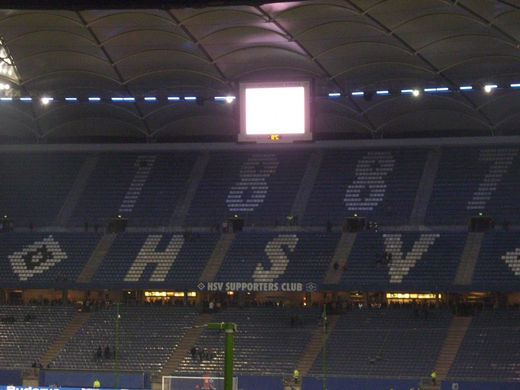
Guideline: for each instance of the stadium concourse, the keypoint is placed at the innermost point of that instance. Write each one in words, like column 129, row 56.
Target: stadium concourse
column 337, row 178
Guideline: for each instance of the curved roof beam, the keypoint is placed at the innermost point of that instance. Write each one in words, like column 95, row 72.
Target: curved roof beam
column 409, row 113
column 495, row 98
column 122, row 13
column 487, row 22
column 179, row 118
column 116, row 70
column 427, row 62
column 140, row 76
column 320, row 25
column 337, row 102
column 55, row 128
column 39, row 13
column 302, row 5
column 201, row 47
column 52, row 51
column 264, row 68
column 43, row 75
column 222, row 30
column 346, row 44
column 471, row 59
column 422, row 68
column 216, row 10
column 57, row 108
column 438, row 97
column 5, row 51
column 139, row 53
column 51, row 30
column 348, row 119
column 234, row 51
column 507, row 118
column 122, row 34
column 318, row 63
column 439, row 14
column 459, row 36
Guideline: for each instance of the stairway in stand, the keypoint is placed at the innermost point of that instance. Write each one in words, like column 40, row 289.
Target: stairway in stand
column 450, row 347
column 75, row 323
column 187, row 341
column 313, row 348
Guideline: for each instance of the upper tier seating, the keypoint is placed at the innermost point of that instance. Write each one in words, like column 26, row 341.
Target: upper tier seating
column 23, row 342
column 144, row 188
column 139, row 258
column 384, row 342
column 491, row 347
column 268, row 257
column 146, row 337
column 35, row 185
column 257, row 186
column 473, row 180
column 380, row 185
column 498, row 266
column 419, row 260
column 265, row 343
column 43, row 259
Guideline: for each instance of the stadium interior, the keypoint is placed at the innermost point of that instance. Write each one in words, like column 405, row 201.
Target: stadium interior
column 374, row 245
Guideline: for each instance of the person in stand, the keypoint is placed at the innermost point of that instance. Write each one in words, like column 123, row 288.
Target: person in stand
column 99, row 353
column 107, row 352
column 296, row 375
column 96, row 384
column 433, row 375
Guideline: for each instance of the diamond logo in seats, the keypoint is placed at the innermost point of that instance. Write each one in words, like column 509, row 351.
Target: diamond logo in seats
column 36, row 258
column 311, row 287
column 201, row 286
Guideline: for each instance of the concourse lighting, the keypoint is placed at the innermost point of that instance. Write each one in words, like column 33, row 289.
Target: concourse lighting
column 46, row 100
column 123, row 99
column 414, row 92
column 490, row 87
column 227, row 99
column 438, row 89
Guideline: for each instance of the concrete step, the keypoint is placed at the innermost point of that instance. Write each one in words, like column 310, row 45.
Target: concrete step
column 75, row 323
column 187, row 341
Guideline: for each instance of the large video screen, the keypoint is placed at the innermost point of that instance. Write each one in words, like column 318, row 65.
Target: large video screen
column 275, row 111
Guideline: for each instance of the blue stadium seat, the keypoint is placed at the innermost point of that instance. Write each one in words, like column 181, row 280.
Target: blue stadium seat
column 377, row 184
column 35, row 185
column 491, row 347
column 39, row 260
column 388, row 342
column 285, row 257
column 474, row 180
column 424, row 261
column 257, row 186
column 159, row 260
column 144, row 188
column 498, row 265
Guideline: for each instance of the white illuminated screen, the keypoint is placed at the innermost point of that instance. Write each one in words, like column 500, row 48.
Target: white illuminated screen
column 279, row 110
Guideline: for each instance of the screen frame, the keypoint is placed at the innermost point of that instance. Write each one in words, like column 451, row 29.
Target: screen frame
column 278, row 138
